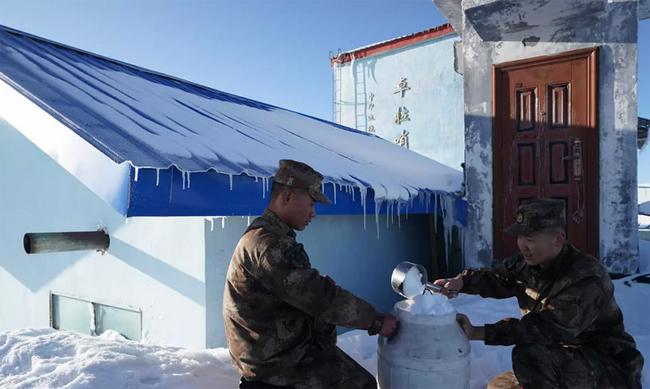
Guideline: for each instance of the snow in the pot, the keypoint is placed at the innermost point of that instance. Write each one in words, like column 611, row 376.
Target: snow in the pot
column 430, row 304
column 421, row 302
column 155, row 121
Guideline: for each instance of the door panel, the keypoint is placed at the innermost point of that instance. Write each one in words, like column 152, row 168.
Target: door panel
column 546, row 143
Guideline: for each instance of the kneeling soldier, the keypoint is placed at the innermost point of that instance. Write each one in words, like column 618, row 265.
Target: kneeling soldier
column 571, row 334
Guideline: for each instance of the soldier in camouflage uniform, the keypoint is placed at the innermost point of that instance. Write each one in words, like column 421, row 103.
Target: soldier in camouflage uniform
column 571, row 332
column 279, row 312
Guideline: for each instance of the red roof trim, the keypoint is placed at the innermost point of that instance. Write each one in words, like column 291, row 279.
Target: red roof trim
column 394, row 44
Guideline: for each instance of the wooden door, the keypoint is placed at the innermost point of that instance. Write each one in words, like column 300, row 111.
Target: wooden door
column 546, row 143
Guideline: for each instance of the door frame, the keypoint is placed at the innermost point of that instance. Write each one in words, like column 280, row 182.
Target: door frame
column 499, row 71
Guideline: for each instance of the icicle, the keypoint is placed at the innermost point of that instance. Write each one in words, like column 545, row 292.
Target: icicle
column 410, row 204
column 399, row 220
column 93, row 320
column 435, row 211
column 248, row 221
column 223, row 222
column 183, row 176
column 388, row 203
column 353, row 194
column 334, row 184
column 136, row 173
column 188, row 180
column 211, row 219
column 157, row 176
column 255, row 178
column 171, row 185
column 263, row 187
column 230, row 180
column 362, row 193
column 447, row 206
column 377, row 208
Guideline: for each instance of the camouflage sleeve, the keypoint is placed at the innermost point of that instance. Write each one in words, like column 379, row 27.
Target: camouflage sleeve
column 498, row 283
column 564, row 317
column 285, row 271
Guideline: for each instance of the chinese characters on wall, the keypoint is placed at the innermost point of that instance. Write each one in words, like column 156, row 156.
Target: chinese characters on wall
column 371, row 115
column 402, row 114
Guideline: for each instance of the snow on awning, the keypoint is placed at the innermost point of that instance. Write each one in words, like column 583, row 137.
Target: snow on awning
column 171, row 147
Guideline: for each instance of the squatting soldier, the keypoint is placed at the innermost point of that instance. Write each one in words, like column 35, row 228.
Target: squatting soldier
column 280, row 313
column 571, row 334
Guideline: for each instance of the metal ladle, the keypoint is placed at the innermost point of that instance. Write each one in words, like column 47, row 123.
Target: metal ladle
column 399, row 276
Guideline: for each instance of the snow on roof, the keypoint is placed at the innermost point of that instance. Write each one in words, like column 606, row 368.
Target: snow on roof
column 151, row 120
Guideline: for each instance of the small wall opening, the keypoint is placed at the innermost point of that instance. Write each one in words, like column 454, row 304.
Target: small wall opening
column 92, row 318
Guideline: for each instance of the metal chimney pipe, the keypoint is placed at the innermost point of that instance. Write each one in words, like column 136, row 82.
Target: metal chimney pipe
column 56, row 242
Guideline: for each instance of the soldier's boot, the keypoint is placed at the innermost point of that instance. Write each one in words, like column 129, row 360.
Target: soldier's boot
column 506, row 380
column 245, row 384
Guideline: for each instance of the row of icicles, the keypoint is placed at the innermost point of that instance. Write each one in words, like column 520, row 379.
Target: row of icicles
column 431, row 200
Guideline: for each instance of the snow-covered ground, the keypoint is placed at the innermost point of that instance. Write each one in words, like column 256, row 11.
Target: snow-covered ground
column 46, row 358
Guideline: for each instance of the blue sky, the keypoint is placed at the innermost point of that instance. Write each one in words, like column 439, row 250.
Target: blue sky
column 275, row 51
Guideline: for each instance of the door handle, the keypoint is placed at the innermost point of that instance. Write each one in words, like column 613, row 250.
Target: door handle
column 577, row 159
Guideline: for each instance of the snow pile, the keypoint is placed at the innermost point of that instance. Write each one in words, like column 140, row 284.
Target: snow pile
column 46, row 358
column 429, row 304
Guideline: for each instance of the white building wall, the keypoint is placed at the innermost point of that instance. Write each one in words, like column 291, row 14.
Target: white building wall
column 434, row 101
column 643, row 193
column 156, row 265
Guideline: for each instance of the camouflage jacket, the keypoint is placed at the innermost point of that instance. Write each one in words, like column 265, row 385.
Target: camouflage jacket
column 570, row 302
column 276, row 306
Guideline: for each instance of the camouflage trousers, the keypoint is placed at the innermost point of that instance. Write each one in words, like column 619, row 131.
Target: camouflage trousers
column 555, row 367
column 321, row 369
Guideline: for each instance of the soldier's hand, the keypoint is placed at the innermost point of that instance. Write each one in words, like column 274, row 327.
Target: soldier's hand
column 450, row 286
column 389, row 326
column 473, row 333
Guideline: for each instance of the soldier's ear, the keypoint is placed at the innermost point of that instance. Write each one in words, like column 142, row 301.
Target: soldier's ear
column 560, row 237
column 287, row 196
